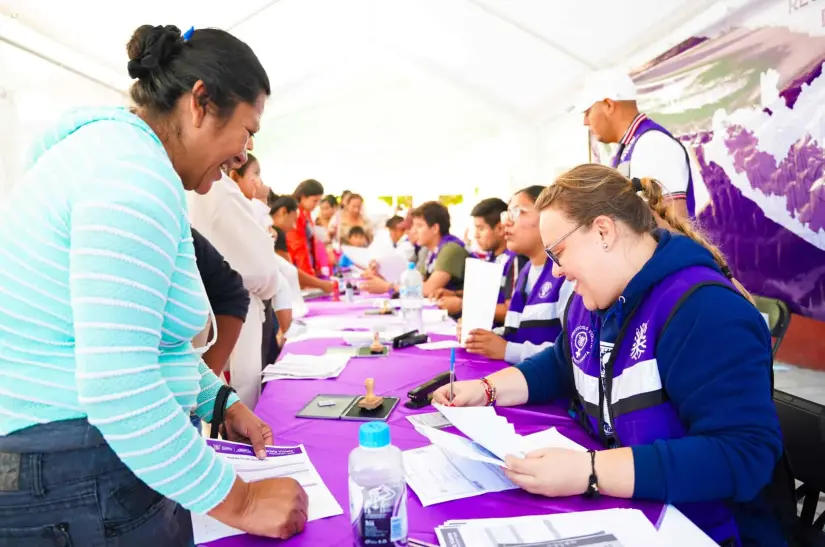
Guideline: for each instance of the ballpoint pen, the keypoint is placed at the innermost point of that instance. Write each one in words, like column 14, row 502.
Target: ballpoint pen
column 418, row 543
column 452, row 372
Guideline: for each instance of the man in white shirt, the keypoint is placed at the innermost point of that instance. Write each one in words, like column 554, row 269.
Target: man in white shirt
column 646, row 149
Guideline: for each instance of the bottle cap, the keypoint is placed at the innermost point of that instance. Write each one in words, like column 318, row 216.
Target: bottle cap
column 374, row 435
column 410, row 265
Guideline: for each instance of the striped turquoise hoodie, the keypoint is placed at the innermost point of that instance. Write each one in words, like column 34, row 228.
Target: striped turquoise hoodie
column 99, row 299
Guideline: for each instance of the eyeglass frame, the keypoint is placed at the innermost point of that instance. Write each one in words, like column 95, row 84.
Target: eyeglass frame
column 511, row 214
column 549, row 249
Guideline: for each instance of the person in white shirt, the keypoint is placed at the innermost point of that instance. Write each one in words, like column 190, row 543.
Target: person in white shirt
column 225, row 216
column 646, row 149
column 249, row 181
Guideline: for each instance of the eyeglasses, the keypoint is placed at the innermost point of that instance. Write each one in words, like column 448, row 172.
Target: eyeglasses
column 511, row 214
column 549, row 249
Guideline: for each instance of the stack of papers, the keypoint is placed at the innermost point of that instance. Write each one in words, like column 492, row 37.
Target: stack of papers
column 291, row 461
column 606, row 528
column 456, row 467
column 302, row 367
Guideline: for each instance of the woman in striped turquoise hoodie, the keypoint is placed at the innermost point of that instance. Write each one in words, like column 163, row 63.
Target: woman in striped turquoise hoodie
column 99, row 299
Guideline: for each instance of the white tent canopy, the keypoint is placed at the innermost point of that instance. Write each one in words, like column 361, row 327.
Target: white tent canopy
column 420, row 97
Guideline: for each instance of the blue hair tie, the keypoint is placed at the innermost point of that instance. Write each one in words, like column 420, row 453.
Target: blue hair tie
column 188, row 34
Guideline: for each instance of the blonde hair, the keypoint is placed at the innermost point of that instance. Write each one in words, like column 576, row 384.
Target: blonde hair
column 592, row 190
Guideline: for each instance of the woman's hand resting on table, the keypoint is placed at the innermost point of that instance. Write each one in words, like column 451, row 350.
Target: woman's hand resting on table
column 486, row 343
column 552, row 472
column 468, row 393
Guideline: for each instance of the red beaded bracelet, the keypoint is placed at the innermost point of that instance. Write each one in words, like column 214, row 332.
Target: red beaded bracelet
column 490, row 389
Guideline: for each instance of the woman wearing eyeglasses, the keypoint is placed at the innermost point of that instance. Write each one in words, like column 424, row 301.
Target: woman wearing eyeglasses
column 666, row 360
column 533, row 320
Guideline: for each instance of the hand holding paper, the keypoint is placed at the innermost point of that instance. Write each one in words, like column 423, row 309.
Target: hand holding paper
column 551, row 472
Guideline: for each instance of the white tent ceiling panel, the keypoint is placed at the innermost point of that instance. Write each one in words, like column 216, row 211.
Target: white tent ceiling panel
column 370, row 90
column 100, row 30
column 476, row 47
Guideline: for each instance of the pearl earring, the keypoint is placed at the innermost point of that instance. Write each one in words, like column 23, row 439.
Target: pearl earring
column 604, row 246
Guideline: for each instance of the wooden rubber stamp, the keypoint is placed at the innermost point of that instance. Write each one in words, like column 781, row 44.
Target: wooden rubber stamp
column 370, row 401
column 376, row 346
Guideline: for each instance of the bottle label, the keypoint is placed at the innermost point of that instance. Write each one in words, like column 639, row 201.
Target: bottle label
column 379, row 515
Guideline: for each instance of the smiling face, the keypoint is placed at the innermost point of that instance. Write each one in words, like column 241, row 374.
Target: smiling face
column 209, row 142
column 582, row 258
column 522, row 234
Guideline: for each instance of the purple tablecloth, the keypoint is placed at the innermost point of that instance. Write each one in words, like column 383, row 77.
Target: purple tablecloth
column 329, row 442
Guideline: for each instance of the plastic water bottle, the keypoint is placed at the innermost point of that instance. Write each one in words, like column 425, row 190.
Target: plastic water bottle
column 377, row 489
column 411, row 289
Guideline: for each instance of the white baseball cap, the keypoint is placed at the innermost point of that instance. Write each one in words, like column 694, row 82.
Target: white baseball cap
column 613, row 84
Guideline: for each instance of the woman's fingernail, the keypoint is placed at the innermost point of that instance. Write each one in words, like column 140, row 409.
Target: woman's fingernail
column 261, row 454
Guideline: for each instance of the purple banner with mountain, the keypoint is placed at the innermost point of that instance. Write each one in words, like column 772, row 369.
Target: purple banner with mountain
column 750, row 102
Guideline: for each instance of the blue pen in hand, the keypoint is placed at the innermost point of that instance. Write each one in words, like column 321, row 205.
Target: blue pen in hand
column 452, row 372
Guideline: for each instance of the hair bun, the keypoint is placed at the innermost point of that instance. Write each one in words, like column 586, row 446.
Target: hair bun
column 151, row 48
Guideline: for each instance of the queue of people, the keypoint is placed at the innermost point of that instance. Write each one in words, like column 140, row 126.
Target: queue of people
column 159, row 231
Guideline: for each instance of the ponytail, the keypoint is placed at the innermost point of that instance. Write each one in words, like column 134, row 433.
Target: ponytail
column 652, row 192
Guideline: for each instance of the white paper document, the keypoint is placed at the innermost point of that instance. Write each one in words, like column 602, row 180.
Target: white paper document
column 456, row 445
column 293, row 366
column 290, row 461
column 482, row 281
column 443, row 344
column 429, row 419
column 605, row 528
column 437, row 476
column 367, row 322
column 549, row 438
column 485, row 428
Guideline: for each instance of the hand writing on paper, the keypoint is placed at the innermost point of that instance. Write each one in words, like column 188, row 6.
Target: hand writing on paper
column 486, row 343
column 552, row 472
column 469, row 393
column 242, row 426
column 452, row 304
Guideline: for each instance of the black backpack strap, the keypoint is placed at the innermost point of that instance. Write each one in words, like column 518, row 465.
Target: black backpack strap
column 781, row 490
column 219, row 410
